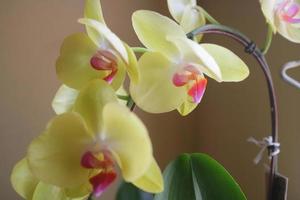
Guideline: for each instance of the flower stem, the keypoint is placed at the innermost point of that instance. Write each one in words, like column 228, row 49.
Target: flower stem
column 123, row 97
column 130, row 103
column 268, row 41
column 139, row 49
column 251, row 48
column 209, row 18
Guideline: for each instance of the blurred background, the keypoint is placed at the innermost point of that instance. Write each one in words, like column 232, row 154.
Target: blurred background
column 30, row 37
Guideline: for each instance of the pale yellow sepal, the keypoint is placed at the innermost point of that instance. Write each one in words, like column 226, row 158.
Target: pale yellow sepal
column 91, row 101
column 64, row 99
column 73, row 65
column 54, row 157
column 152, row 180
column 155, row 92
column 233, row 69
column 187, row 107
column 110, row 38
column 93, row 10
column 22, row 180
column 194, row 53
column 177, row 7
column 124, row 133
column 145, row 24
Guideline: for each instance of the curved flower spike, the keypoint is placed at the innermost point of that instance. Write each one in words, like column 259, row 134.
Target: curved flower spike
column 172, row 74
column 30, row 188
column 98, row 55
column 284, row 17
column 187, row 13
column 83, row 147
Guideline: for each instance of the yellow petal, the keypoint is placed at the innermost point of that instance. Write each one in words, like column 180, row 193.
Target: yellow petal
column 233, row 69
column 187, row 107
column 132, row 67
column 120, row 76
column 193, row 53
column 91, row 101
column 73, row 66
column 55, row 156
column 127, row 138
column 177, row 8
column 155, row 92
column 268, row 8
column 93, row 10
column 22, row 180
column 64, row 99
column 289, row 31
column 152, row 180
column 145, row 24
column 192, row 18
column 45, row 191
column 80, row 192
column 109, row 38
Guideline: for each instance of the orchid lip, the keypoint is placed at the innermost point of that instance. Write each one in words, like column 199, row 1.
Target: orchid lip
column 105, row 60
column 191, row 77
column 100, row 161
column 288, row 10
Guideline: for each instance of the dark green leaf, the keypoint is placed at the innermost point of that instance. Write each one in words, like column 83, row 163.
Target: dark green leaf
column 198, row 177
column 127, row 191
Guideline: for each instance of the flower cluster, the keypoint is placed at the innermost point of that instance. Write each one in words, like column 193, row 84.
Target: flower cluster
column 94, row 134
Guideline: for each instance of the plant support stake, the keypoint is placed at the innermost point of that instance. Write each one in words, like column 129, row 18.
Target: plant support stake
column 251, row 48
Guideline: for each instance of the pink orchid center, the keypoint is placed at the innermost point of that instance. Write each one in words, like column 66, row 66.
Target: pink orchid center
column 105, row 60
column 193, row 79
column 288, row 11
column 103, row 163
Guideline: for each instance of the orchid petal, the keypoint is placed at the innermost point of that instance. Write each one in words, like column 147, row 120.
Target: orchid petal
column 155, row 92
column 91, row 101
column 233, row 69
column 127, row 139
column 268, row 8
column 110, row 38
column 152, row 30
column 132, row 67
column 192, row 18
column 152, row 180
column 73, row 66
column 194, row 53
column 289, row 31
column 187, row 107
column 45, row 191
column 64, row 99
column 101, row 181
column 23, row 181
column 80, row 192
column 177, row 8
column 54, row 157
column 93, row 10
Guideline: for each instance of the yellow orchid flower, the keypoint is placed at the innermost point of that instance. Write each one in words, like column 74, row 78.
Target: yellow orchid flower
column 81, row 148
column 99, row 54
column 284, row 17
column 30, row 188
column 187, row 13
column 172, row 72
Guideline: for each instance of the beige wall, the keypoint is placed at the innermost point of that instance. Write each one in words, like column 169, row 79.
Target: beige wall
column 30, row 36
column 230, row 113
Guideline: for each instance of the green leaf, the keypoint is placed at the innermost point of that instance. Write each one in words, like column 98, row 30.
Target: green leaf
column 198, row 177
column 127, row 191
